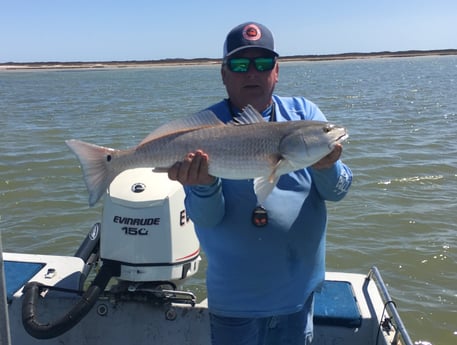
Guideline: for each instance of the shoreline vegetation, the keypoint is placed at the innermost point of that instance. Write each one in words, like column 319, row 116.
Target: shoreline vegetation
column 209, row 61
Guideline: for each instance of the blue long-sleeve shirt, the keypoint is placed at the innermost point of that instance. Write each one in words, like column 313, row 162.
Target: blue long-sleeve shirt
column 258, row 272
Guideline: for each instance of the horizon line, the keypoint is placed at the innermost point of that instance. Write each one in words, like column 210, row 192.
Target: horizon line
column 310, row 57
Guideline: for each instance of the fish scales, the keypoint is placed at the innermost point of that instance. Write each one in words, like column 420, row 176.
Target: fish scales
column 235, row 152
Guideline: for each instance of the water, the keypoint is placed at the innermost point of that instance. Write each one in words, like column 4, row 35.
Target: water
column 400, row 215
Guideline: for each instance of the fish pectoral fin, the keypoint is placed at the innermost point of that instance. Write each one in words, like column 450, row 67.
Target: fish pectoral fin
column 263, row 187
column 274, row 171
column 282, row 166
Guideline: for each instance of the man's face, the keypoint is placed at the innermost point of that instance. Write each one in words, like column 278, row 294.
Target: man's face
column 252, row 87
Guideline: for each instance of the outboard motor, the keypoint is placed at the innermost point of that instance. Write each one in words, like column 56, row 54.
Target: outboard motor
column 146, row 241
column 145, row 228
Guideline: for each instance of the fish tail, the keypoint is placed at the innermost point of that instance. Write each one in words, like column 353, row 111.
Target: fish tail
column 95, row 163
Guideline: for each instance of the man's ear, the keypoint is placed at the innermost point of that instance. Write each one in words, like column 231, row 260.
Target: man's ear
column 277, row 72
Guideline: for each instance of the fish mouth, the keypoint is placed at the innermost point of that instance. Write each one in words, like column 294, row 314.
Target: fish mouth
column 338, row 140
column 342, row 137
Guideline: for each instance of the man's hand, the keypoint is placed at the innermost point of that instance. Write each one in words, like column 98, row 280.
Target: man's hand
column 330, row 159
column 192, row 170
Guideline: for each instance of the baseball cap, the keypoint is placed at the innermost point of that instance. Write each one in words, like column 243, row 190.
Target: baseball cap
column 248, row 35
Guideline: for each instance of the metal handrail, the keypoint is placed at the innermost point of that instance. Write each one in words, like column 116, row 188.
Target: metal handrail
column 5, row 337
column 389, row 304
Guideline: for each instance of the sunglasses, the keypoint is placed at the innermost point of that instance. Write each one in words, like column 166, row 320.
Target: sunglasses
column 241, row 65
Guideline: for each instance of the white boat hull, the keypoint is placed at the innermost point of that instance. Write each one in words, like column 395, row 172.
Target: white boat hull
column 135, row 318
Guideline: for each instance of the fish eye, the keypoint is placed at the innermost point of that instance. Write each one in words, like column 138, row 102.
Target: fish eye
column 108, row 158
column 327, row 128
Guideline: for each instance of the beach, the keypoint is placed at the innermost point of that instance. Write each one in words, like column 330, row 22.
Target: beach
column 14, row 66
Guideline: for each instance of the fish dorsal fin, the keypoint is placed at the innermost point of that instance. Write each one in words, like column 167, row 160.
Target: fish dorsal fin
column 202, row 119
column 247, row 117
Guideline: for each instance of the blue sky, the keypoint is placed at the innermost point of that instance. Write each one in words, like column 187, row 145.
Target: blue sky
column 101, row 30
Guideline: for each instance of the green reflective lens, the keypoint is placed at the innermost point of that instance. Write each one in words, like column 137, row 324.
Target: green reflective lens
column 264, row 64
column 261, row 64
column 238, row 64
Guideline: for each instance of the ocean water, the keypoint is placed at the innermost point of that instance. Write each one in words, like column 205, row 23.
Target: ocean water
column 400, row 214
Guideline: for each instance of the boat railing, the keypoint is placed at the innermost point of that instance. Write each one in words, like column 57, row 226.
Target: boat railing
column 5, row 336
column 401, row 335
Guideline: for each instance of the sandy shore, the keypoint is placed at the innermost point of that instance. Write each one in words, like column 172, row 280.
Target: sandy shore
column 12, row 66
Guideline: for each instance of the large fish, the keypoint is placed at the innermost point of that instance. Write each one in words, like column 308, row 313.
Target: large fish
column 247, row 147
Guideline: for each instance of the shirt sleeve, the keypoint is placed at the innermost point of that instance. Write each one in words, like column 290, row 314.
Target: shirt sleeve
column 332, row 183
column 205, row 204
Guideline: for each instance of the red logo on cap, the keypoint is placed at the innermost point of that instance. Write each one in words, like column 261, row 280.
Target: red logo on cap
column 251, row 32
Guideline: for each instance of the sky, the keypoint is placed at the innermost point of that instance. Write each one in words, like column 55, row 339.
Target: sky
column 102, row 30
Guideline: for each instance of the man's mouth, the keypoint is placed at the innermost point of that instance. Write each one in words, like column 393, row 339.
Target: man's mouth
column 250, row 86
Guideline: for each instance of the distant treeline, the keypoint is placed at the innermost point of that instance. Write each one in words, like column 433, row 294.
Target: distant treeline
column 343, row 56
column 406, row 53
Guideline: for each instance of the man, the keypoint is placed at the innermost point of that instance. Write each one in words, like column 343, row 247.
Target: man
column 264, row 263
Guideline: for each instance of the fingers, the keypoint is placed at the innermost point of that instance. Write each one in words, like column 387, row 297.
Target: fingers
column 196, row 165
column 330, row 159
column 174, row 171
column 192, row 170
column 189, row 168
column 336, row 153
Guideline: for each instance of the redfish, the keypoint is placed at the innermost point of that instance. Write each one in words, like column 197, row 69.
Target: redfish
column 247, row 147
